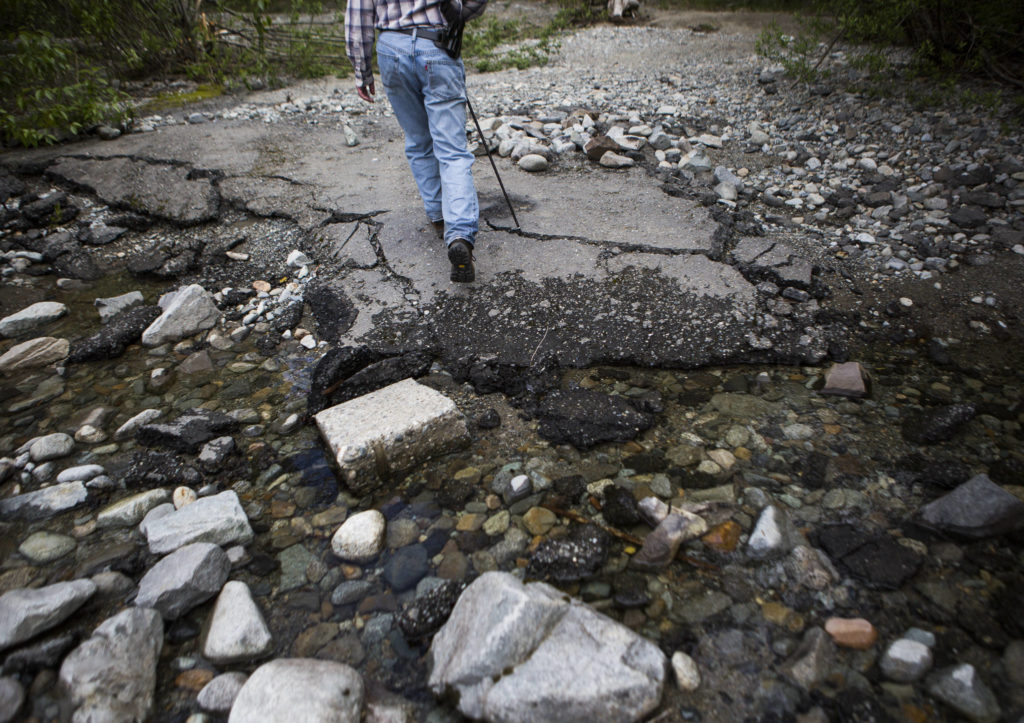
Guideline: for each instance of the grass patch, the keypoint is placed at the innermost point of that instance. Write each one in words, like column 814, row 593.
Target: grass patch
column 172, row 101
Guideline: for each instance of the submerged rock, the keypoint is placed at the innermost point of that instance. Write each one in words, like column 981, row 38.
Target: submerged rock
column 114, row 337
column 976, row 509
column 520, row 652
column 112, row 675
column 219, row 519
column 583, row 418
column 25, row 613
column 427, row 613
column 567, row 560
column 938, row 425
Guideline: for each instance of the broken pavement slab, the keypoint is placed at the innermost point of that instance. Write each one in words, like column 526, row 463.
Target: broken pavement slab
column 391, row 430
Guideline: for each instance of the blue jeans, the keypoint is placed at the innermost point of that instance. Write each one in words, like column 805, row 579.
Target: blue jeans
column 427, row 90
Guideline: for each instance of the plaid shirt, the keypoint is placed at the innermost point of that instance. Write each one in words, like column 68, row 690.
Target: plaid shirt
column 362, row 16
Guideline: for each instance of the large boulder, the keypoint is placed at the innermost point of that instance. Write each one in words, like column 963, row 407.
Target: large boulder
column 186, row 311
column 185, row 578
column 300, row 689
column 112, row 675
column 515, row 652
column 27, row 612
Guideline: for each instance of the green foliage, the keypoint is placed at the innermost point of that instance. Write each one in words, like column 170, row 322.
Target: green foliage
column 46, row 93
column 484, row 39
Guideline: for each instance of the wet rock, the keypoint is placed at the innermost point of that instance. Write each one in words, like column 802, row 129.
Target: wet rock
column 660, row 547
column 30, row 317
column 128, row 429
column 295, row 561
column 574, row 558
column 873, row 558
column 523, row 652
column 811, row 662
column 34, row 353
column 977, row 509
column 109, row 308
column 846, row 379
column 112, row 675
column 489, row 420
column 115, row 336
column 186, row 311
column 44, row 503
column 99, row 234
column 42, row 547
column 131, row 510
column 237, row 631
column 167, row 258
column 300, row 689
column 961, row 688
column 219, row 694
column 351, row 591
column 428, row 612
column 188, row 432
column 77, row 265
column 381, row 374
column 406, row 567
column 686, row 670
column 389, row 431
column 219, row 519
column 185, row 578
column 215, row 453
column 937, row 425
column 158, row 469
column 619, row 507
column 46, row 654
column 25, row 613
column 583, row 418
column 10, row 186
column 906, row 660
column 54, row 209
column 856, row 633
column 361, row 537
column 12, row 697
column 772, row 535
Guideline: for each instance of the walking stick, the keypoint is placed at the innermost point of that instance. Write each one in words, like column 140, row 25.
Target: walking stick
column 491, row 159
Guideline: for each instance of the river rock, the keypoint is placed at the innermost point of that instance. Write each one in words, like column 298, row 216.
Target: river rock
column 300, row 689
column 429, row 611
column 43, row 503
column 361, row 537
column 42, row 547
column 12, row 697
column 565, row 560
column 812, row 661
column 976, row 509
column 188, row 432
column 520, row 652
column 583, row 418
column 34, row 353
column 219, row 694
column 937, row 425
column 219, row 519
column 187, row 577
column 128, row 429
column 660, row 547
column 50, row 446
column 42, row 312
column 131, row 510
column 112, row 675
column 110, row 307
column 906, row 660
column 80, row 473
column 114, row 336
column 856, row 633
column 846, row 379
column 26, row 612
column 773, row 534
column 406, row 567
column 961, row 688
column 686, row 670
column 237, row 631
column 394, row 428
column 186, row 311
column 533, row 162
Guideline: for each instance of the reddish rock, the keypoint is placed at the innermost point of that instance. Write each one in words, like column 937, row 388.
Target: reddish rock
column 724, row 537
column 855, row 633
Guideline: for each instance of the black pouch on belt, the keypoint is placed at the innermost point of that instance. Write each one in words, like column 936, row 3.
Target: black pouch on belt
column 451, row 37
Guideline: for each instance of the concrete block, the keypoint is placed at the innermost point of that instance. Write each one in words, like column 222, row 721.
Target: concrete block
column 390, row 431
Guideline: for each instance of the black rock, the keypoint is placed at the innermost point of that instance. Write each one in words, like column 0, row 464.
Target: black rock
column 583, row 418
column 629, row 590
column 267, row 343
column 977, row 509
column 380, row 374
column 406, row 567
column 100, row 235
column 428, row 613
column 167, row 261
column 454, row 492
column 114, row 337
column 159, row 469
column 332, row 309
column 619, row 507
column 521, row 384
column 650, row 462
column 937, row 425
column 182, row 631
column 570, row 487
column 289, row 317
column 262, row 565
column 969, row 217
column 56, row 208
column 814, row 466
column 10, row 186
column 489, row 420
column 45, row 654
column 133, row 221
column 188, row 432
column 335, row 367
column 942, row 472
column 77, row 265
column 577, row 557
column 873, row 558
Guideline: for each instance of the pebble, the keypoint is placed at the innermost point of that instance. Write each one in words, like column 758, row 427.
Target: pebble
column 361, row 537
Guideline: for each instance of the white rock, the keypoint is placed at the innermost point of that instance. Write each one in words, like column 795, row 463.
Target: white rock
column 297, row 259
column 26, row 612
column 111, row 307
column 219, row 694
column 185, row 578
column 237, row 631
column 185, row 312
column 127, row 430
column 533, row 162
column 32, row 316
column 52, row 446
column 130, row 511
column 80, row 473
column 610, row 159
column 183, row 496
column 300, row 689
column 906, row 660
column 399, row 426
column 770, row 534
column 361, row 537
column 219, row 519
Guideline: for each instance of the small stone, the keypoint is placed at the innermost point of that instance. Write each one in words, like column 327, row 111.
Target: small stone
column 846, row 380
column 533, row 162
column 361, row 538
column 183, row 496
column 30, row 317
column 539, row 520
column 237, row 631
column 219, row 694
column 43, row 547
column 906, row 661
column 961, row 688
column 687, row 673
column 297, row 259
column 856, row 633
column 613, row 160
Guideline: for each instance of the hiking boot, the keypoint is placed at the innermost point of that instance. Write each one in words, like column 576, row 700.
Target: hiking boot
column 460, row 253
column 438, row 228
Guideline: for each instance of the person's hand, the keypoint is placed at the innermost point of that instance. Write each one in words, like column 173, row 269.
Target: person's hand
column 366, row 91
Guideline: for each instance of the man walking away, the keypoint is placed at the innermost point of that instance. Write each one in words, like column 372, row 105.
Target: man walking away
column 427, row 90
